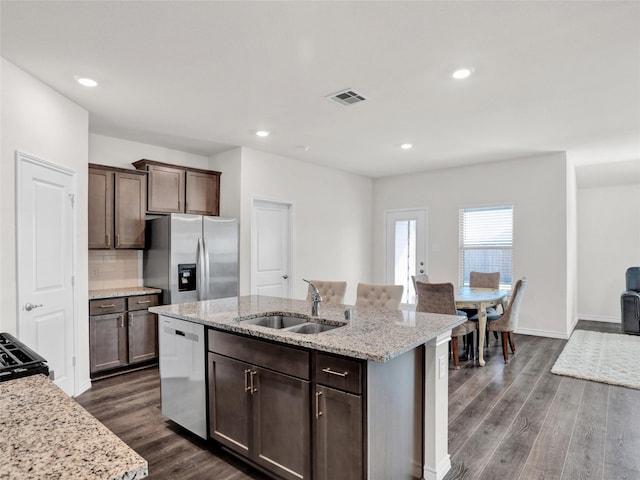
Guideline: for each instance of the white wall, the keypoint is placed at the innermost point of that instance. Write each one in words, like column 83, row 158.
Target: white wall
column 120, row 153
column 608, row 243
column 41, row 122
column 229, row 164
column 571, row 245
column 332, row 218
column 537, row 187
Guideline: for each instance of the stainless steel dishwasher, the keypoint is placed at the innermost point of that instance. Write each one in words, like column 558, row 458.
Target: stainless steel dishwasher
column 182, row 373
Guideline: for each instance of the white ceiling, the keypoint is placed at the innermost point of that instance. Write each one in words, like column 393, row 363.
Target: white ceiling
column 204, row 76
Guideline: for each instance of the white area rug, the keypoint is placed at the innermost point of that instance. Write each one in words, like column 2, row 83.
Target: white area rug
column 602, row 357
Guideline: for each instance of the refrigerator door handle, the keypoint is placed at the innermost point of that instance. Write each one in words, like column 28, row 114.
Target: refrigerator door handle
column 206, row 269
column 200, row 271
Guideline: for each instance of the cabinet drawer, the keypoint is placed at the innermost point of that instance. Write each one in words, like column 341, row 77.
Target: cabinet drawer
column 337, row 372
column 106, row 305
column 279, row 358
column 140, row 302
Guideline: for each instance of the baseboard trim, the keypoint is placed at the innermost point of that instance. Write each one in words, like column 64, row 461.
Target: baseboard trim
column 84, row 386
column 598, row 318
column 543, row 333
column 442, row 469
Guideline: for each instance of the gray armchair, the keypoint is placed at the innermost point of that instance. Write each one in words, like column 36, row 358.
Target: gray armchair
column 630, row 302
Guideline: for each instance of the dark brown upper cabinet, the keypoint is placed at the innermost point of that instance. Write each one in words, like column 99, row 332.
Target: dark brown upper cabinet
column 117, row 207
column 175, row 189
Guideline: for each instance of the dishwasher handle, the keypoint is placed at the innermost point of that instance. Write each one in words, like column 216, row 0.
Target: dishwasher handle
column 179, row 333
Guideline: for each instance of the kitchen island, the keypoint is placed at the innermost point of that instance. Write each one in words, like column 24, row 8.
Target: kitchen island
column 47, row 435
column 367, row 399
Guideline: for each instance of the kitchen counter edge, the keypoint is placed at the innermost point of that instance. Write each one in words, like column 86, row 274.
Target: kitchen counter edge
column 122, row 292
column 372, row 334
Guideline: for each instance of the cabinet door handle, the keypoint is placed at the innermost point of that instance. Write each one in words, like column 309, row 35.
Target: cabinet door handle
column 117, row 239
column 253, row 389
column 143, row 301
column 333, row 372
column 108, row 240
column 107, row 306
column 121, row 317
column 247, row 388
column 318, row 412
column 130, row 320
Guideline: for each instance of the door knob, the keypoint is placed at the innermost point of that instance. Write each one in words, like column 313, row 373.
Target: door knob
column 285, row 276
column 30, row 306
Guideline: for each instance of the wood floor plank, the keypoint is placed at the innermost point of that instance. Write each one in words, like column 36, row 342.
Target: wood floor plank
column 623, row 434
column 480, row 406
column 585, row 458
column 519, row 439
column 471, row 457
column 464, row 395
column 546, row 460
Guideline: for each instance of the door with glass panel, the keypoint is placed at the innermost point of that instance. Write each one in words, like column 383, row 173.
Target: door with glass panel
column 406, row 249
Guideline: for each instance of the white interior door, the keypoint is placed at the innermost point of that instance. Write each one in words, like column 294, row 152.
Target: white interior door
column 45, row 229
column 406, row 249
column 271, row 247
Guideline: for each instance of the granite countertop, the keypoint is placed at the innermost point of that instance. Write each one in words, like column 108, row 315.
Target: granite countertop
column 372, row 333
column 47, row 435
column 122, row 292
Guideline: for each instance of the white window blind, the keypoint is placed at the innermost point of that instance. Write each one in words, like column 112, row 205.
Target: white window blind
column 486, row 242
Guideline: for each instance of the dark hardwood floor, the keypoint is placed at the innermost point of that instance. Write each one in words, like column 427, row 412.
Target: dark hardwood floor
column 506, row 422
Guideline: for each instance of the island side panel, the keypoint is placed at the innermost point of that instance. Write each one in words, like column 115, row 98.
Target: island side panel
column 437, row 461
column 395, row 417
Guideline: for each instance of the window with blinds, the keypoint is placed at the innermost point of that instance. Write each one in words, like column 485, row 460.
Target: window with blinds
column 486, row 242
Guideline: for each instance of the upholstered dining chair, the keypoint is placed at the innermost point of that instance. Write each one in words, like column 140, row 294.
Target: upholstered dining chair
column 440, row 298
column 484, row 280
column 380, row 296
column 422, row 277
column 332, row 292
column 507, row 323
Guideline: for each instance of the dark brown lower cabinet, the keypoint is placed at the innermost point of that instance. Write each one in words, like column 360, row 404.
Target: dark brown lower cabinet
column 301, row 414
column 260, row 414
column 338, row 435
column 107, row 341
column 142, row 336
column 127, row 335
column 259, row 399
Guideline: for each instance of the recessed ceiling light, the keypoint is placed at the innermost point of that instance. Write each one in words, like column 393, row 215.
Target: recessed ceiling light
column 304, row 148
column 406, row 146
column 462, row 73
column 86, row 81
column 263, row 133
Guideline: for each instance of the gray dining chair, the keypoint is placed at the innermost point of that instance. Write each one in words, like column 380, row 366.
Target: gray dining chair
column 440, row 298
column 507, row 323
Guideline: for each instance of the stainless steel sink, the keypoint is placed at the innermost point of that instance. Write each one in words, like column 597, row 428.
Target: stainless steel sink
column 312, row 327
column 276, row 321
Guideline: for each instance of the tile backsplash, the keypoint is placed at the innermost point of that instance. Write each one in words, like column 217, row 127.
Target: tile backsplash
column 115, row 269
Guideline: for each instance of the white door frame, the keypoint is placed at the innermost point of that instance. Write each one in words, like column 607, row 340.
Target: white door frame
column 421, row 213
column 20, row 159
column 254, row 241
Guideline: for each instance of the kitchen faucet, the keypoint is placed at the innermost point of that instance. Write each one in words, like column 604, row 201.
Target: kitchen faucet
column 316, row 298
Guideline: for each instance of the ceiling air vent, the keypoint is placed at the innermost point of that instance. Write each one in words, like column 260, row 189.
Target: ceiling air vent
column 346, row 97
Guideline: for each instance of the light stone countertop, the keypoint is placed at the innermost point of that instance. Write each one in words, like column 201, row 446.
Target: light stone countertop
column 122, row 292
column 372, row 334
column 44, row 434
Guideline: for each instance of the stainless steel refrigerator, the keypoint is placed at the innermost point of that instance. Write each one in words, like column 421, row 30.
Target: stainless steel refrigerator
column 192, row 257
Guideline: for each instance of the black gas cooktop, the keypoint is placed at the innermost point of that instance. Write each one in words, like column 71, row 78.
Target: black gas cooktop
column 17, row 360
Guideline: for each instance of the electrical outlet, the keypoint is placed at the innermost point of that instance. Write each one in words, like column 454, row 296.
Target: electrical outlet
column 443, row 366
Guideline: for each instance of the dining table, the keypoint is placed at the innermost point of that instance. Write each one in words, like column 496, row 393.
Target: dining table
column 480, row 299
